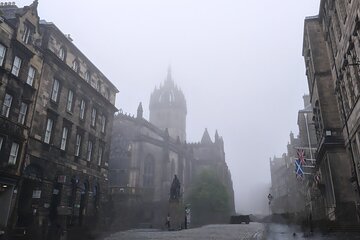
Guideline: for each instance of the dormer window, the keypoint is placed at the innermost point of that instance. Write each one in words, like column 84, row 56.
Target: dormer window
column 87, row 76
column 62, row 54
column 28, row 32
column 75, row 66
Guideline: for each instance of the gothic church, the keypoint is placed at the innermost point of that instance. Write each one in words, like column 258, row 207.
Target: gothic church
column 145, row 156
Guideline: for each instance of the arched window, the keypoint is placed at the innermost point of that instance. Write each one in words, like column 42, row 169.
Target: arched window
column 172, row 168
column 87, row 76
column 75, row 66
column 149, row 170
column 62, row 53
column 83, row 201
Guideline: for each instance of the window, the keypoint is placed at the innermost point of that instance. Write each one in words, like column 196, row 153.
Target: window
column 49, row 125
column 2, row 54
column 22, row 113
column 149, row 168
column 16, row 66
column 62, row 53
column 100, row 155
column 75, row 66
column 93, row 117
column 6, row 105
column 87, row 76
column 89, row 150
column 69, row 103
column 55, row 90
column 64, row 138
column 26, row 37
column 97, row 86
column 31, row 76
column 82, row 109
column 1, row 142
column 13, row 153
column 77, row 145
column 103, row 123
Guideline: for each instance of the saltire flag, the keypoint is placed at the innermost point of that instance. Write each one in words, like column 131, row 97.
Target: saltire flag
column 301, row 155
column 298, row 169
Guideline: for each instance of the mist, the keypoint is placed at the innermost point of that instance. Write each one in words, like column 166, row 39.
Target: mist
column 238, row 63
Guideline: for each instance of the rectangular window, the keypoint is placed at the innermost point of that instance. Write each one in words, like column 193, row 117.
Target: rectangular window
column 49, row 125
column 13, row 153
column 77, row 145
column 16, row 66
column 100, row 155
column 2, row 54
column 69, row 103
column 27, row 34
column 1, row 142
column 64, row 138
column 93, row 117
column 6, row 105
column 31, row 76
column 55, row 90
column 89, row 150
column 82, row 109
column 103, row 123
column 22, row 113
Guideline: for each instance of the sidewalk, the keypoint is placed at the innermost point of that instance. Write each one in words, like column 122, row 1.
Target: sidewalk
column 275, row 231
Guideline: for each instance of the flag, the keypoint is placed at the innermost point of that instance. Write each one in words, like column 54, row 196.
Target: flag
column 298, row 169
column 301, row 155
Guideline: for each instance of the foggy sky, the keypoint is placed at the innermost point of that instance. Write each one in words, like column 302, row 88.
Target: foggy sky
column 238, row 63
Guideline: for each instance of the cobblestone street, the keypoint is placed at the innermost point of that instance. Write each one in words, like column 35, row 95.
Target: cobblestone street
column 253, row 231
column 285, row 232
column 210, row 232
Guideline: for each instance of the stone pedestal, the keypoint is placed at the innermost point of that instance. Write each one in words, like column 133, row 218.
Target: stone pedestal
column 177, row 215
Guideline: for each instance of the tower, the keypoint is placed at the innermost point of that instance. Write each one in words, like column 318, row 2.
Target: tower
column 168, row 108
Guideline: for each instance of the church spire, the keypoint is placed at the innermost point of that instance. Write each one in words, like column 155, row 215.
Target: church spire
column 206, row 138
column 169, row 77
column 217, row 138
column 140, row 111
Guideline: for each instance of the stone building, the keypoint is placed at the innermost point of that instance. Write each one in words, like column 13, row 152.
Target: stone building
column 330, row 50
column 19, row 61
column 61, row 108
column 146, row 155
column 290, row 191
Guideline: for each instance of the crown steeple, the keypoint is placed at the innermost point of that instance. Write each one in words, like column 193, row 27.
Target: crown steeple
column 168, row 108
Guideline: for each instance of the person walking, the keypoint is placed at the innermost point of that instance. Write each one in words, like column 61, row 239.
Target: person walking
column 167, row 223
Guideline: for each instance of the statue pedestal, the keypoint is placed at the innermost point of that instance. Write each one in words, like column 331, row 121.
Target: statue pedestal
column 177, row 215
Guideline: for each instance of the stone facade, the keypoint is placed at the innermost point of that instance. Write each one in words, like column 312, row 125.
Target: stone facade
column 290, row 192
column 330, row 51
column 146, row 156
column 62, row 110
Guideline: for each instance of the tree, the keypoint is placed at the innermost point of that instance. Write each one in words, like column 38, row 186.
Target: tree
column 209, row 200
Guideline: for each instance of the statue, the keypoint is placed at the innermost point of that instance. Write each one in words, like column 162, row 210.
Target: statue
column 175, row 189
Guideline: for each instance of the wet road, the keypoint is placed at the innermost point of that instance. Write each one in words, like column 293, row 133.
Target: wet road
column 210, row 232
column 285, row 232
column 252, row 231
